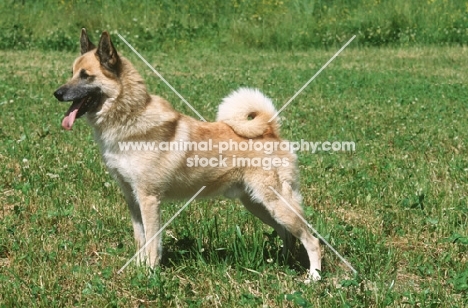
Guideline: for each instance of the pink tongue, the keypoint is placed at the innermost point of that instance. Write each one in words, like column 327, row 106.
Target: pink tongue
column 70, row 116
column 67, row 122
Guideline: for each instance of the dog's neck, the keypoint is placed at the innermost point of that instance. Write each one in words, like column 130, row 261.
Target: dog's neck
column 133, row 112
column 126, row 107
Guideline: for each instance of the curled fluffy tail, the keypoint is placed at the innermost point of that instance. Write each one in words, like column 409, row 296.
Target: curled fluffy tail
column 247, row 112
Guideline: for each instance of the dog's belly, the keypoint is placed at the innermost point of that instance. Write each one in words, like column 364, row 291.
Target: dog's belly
column 185, row 183
column 231, row 191
column 172, row 178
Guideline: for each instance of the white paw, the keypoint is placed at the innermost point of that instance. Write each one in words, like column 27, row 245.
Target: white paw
column 314, row 276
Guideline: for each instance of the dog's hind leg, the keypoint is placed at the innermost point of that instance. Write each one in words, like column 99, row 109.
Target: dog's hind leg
column 259, row 210
column 280, row 211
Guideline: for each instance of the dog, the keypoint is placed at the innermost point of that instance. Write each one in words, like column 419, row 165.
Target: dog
column 107, row 90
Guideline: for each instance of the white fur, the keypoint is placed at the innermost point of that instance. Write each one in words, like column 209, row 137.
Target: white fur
column 236, row 109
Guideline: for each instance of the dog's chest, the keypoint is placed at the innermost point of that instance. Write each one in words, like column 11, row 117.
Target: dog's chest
column 121, row 164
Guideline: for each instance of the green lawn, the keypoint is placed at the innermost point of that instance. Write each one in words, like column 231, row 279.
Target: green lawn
column 396, row 208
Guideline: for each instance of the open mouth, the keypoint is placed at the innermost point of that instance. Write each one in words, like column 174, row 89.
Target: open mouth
column 79, row 108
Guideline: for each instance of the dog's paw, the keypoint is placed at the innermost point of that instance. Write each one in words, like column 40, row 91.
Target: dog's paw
column 313, row 276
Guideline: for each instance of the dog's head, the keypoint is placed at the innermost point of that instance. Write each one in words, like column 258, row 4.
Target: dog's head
column 95, row 76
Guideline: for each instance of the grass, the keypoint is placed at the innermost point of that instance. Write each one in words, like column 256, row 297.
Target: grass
column 395, row 208
column 266, row 24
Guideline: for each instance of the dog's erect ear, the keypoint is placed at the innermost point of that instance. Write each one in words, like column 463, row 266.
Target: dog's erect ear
column 107, row 54
column 86, row 44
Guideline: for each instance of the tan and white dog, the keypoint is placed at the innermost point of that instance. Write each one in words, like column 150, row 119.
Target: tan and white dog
column 107, row 89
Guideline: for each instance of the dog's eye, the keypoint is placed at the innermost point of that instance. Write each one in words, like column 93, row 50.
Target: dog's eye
column 84, row 75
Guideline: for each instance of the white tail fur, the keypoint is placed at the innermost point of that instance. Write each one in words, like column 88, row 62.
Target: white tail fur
column 247, row 112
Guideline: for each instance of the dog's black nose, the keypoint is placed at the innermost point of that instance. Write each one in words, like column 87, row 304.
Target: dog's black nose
column 59, row 94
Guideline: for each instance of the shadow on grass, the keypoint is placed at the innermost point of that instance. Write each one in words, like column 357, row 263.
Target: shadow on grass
column 178, row 252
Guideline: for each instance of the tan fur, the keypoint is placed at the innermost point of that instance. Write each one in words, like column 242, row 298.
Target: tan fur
column 128, row 113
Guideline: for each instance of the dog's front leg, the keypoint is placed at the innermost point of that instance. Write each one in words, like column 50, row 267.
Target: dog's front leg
column 137, row 221
column 138, row 227
column 150, row 215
